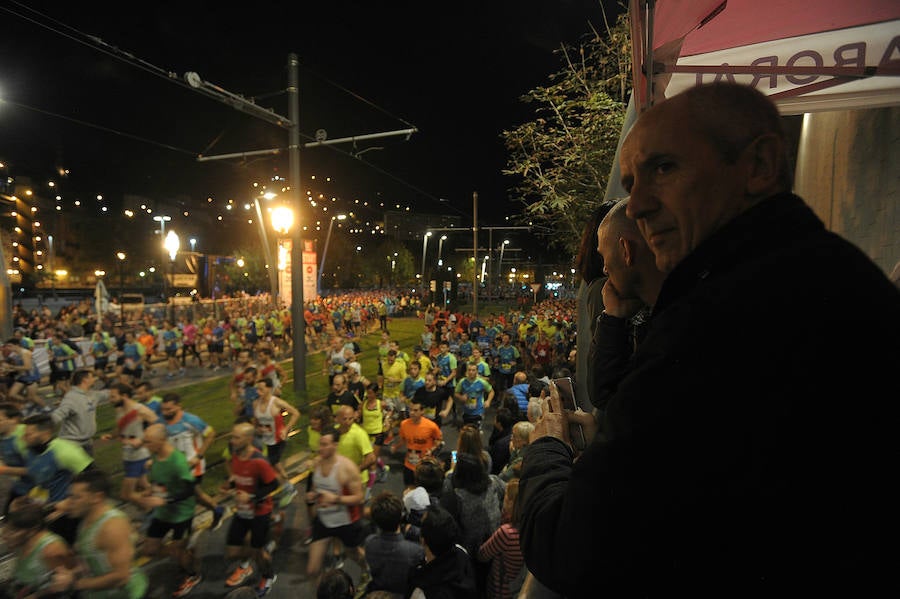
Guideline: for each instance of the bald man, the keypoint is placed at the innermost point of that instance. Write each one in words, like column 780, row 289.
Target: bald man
column 629, row 292
column 252, row 482
column 173, row 502
column 745, row 451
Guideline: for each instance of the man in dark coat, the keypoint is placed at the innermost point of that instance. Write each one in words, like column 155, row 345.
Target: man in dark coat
column 747, row 449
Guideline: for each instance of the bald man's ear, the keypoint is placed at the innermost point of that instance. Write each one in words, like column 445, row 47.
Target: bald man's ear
column 628, row 254
column 763, row 158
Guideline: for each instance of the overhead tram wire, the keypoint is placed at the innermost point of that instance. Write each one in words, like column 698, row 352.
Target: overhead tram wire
column 100, row 45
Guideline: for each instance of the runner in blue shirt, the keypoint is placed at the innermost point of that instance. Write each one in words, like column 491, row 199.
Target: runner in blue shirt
column 475, row 393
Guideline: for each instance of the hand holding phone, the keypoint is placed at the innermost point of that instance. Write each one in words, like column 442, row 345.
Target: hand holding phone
column 567, row 399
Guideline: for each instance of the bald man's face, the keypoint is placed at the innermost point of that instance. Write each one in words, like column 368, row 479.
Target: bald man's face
column 682, row 189
column 241, row 436
column 155, row 438
column 345, row 418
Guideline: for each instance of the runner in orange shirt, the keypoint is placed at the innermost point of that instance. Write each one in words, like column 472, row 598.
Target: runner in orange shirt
column 422, row 437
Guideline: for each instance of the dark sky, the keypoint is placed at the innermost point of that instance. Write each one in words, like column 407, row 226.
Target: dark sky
column 455, row 71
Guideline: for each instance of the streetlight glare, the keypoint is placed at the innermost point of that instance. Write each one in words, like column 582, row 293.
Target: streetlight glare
column 282, row 219
column 172, row 243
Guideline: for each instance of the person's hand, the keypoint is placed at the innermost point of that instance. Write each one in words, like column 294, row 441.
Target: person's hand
column 152, row 501
column 615, row 304
column 554, row 422
column 62, row 581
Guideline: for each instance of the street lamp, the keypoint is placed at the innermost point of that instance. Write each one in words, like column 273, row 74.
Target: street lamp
column 325, row 250
column 172, row 244
column 270, row 264
column 424, row 249
column 500, row 263
column 162, row 220
column 121, row 257
column 440, row 248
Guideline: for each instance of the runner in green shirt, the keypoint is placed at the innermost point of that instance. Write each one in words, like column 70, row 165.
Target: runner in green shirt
column 173, row 502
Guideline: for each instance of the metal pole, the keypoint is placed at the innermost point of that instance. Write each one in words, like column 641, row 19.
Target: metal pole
column 475, row 253
column 298, row 324
column 324, row 253
column 424, row 250
column 272, row 266
column 52, row 271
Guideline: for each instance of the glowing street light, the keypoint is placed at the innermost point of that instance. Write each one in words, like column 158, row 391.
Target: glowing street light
column 172, row 244
column 282, row 221
column 193, row 242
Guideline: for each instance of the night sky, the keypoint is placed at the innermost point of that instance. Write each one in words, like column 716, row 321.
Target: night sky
column 454, row 71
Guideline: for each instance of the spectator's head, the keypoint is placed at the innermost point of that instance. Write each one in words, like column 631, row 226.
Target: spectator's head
column 335, row 584
column 505, row 419
column 387, row 511
column 469, row 440
column 510, row 505
column 521, row 434
column 725, row 151
column 440, row 532
column 430, row 475
column 470, row 474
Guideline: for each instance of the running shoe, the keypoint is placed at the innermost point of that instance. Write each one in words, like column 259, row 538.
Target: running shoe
column 239, row 576
column 187, row 585
column 265, row 585
column 382, row 474
column 288, row 492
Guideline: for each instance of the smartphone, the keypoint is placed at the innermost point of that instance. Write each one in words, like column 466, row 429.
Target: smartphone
column 567, row 396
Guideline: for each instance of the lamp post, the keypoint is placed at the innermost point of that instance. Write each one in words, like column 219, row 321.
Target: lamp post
column 172, row 244
column 500, row 263
column 52, row 271
column 121, row 256
column 424, row 250
column 162, row 219
column 325, row 249
column 267, row 251
column 440, row 248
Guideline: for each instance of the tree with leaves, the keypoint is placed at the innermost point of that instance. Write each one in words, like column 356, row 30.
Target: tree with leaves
column 562, row 159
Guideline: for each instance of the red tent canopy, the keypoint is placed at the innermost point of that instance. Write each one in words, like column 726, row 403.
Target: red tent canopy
column 827, row 55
